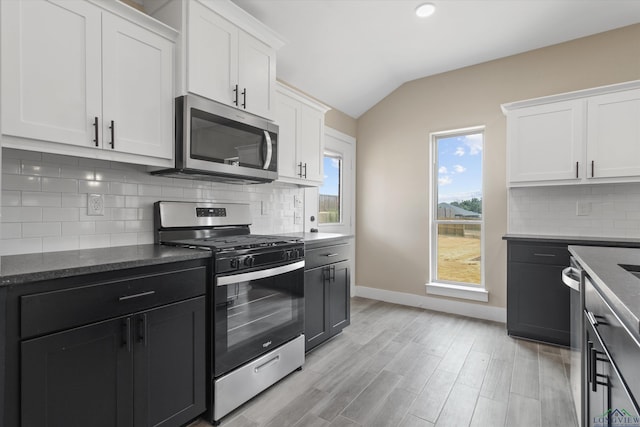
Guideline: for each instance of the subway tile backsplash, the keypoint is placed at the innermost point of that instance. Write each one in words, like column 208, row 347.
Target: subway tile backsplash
column 611, row 210
column 44, row 202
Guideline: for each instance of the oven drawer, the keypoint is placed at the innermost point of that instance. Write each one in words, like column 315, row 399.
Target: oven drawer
column 326, row 255
column 539, row 254
column 52, row 311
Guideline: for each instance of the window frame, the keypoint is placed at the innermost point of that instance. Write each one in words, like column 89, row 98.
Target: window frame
column 470, row 291
column 334, row 154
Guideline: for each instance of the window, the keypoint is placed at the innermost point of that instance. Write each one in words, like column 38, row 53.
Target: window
column 457, row 208
column 330, row 198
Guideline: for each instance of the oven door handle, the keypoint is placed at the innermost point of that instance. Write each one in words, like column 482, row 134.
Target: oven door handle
column 570, row 277
column 260, row 274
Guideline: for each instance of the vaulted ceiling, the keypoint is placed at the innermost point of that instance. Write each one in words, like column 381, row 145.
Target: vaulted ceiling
column 352, row 53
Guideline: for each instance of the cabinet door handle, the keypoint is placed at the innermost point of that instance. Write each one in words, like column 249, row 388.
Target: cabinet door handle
column 592, row 168
column 95, row 130
column 141, row 294
column 113, row 131
column 593, row 355
column 577, row 163
column 142, row 329
column 126, row 331
column 333, row 273
column 235, row 91
column 244, row 98
column 300, row 167
column 305, row 170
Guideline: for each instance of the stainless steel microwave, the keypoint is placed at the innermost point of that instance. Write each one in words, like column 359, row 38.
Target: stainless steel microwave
column 216, row 142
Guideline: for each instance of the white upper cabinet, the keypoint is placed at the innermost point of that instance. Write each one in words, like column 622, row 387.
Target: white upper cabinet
column 51, row 70
column 613, row 135
column 138, row 95
column 226, row 54
column 580, row 137
column 70, row 69
column 300, row 137
column 549, row 142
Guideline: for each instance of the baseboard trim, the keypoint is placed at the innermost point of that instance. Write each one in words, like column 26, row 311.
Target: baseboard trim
column 478, row 311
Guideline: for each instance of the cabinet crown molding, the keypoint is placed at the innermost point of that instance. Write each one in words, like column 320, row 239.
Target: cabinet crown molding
column 567, row 96
column 301, row 97
column 241, row 18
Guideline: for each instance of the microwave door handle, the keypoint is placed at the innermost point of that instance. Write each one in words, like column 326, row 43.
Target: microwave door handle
column 267, row 161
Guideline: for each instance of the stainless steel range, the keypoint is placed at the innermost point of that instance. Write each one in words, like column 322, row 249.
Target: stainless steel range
column 256, row 298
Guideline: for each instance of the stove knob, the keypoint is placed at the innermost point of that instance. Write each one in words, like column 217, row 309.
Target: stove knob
column 248, row 261
column 235, row 263
column 295, row 254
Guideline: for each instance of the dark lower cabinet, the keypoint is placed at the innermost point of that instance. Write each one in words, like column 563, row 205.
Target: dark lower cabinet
column 610, row 363
column 146, row 369
column 339, row 283
column 78, row 375
column 124, row 348
column 326, row 293
column 538, row 303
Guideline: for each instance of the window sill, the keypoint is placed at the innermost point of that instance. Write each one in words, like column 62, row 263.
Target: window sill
column 458, row 291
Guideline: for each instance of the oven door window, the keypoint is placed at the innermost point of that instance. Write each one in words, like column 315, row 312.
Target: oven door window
column 253, row 317
column 217, row 139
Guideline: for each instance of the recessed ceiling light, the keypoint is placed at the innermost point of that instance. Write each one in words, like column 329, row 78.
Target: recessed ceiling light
column 425, row 10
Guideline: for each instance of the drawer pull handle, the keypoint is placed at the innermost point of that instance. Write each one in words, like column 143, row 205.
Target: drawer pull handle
column 331, row 255
column 267, row 363
column 547, row 255
column 141, row 294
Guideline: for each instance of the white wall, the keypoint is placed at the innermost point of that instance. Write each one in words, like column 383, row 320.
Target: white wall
column 44, row 202
column 615, row 210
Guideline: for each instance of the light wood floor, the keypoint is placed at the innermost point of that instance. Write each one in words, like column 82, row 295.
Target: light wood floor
column 403, row 366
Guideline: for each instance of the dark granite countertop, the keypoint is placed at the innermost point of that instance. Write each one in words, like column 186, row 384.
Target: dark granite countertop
column 316, row 239
column 575, row 240
column 17, row 269
column 619, row 288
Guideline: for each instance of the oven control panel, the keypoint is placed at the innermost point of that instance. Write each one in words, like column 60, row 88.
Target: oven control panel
column 255, row 259
column 211, row 212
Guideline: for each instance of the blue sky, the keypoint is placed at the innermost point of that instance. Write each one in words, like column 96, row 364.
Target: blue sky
column 459, row 167
column 331, row 183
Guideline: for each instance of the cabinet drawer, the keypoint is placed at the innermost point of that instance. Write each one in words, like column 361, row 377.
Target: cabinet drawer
column 47, row 312
column 539, row 254
column 327, row 255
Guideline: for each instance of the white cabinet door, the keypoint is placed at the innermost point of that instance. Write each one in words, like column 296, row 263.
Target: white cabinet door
column 257, row 76
column 613, row 136
column 545, row 143
column 51, row 85
column 287, row 113
column 310, row 143
column 137, row 89
column 212, row 65
column 300, row 138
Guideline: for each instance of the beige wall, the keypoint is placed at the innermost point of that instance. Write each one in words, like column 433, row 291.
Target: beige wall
column 335, row 119
column 393, row 157
column 341, row 122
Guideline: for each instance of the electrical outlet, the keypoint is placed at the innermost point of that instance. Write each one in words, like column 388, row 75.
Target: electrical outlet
column 95, row 204
column 297, row 201
column 583, row 208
